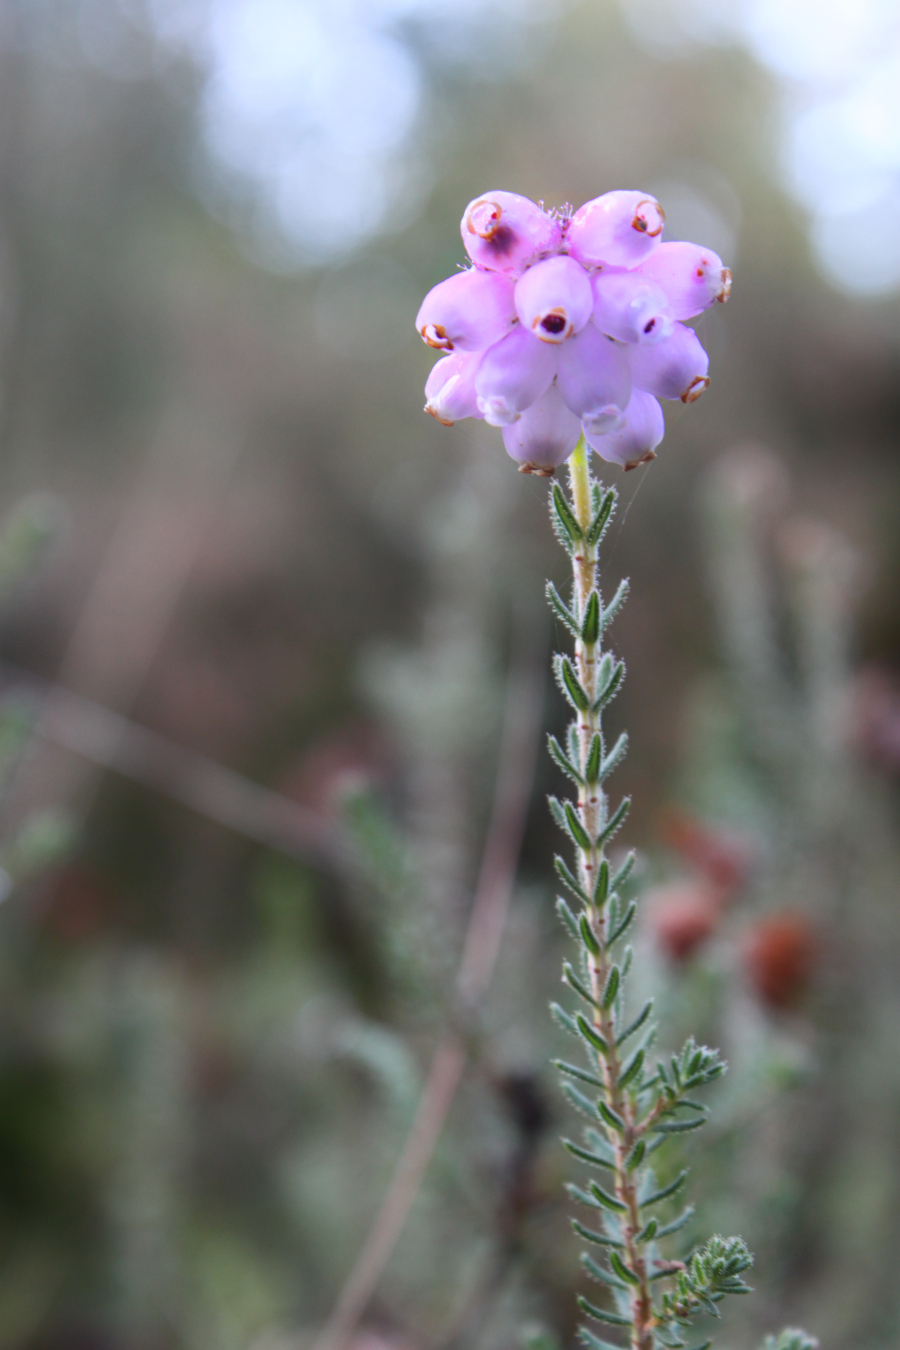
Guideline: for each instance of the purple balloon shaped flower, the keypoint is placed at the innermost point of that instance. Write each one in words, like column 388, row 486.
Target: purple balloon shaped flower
column 569, row 323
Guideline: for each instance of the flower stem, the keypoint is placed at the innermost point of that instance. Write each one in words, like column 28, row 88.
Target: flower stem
column 592, row 809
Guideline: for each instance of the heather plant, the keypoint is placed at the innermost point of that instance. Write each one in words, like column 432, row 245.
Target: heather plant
column 564, row 333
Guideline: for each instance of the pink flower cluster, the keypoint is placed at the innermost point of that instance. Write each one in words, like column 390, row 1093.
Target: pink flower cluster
column 568, row 323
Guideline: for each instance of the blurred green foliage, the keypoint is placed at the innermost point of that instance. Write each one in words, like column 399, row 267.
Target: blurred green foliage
column 259, row 548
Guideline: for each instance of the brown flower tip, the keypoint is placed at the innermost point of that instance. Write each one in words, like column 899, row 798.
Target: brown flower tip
column 539, row 470
column 725, row 290
column 698, row 385
column 780, row 956
column 435, row 334
column 649, row 218
column 437, row 417
column 554, row 322
column 645, row 458
column 483, row 219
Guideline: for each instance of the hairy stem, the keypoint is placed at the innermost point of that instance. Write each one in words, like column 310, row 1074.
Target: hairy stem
column 592, row 809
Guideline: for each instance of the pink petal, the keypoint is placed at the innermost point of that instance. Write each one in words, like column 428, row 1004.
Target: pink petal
column 543, row 436
column 594, row 378
column 692, row 277
column 467, row 312
column 450, row 388
column 619, row 228
column 553, row 299
column 512, row 374
column 635, row 443
column 674, row 368
column 504, row 232
column 631, row 307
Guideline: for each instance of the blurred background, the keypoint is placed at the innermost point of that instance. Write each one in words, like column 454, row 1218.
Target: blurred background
column 262, row 622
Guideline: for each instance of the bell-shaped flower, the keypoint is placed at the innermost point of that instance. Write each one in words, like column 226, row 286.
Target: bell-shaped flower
column 512, row 375
column 674, row 368
column 450, row 388
column 553, row 299
column 594, row 378
column 635, row 443
column 631, row 308
column 467, row 312
column 619, row 229
column 544, row 436
column 692, row 277
column 505, row 232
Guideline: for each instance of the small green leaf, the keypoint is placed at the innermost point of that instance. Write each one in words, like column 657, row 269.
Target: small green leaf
column 596, row 1272
column 588, row 936
column 557, row 812
column 599, row 1239
column 561, row 610
column 600, row 1314
column 624, row 871
column 575, row 983
column 668, row 1229
column 587, row 1156
column 564, row 1019
column 572, row 686
column 636, row 1156
column 567, row 918
column 649, row 1231
column 592, row 768
column 637, row 1023
column 577, row 1099
column 562, row 761
column 612, row 988
column 615, row 756
column 601, row 518
column 565, row 514
column 632, row 1069
column 610, row 688
column 624, row 1272
column 591, row 1034
column 573, row 1071
column 605, row 1200
column 615, row 820
column 581, row 1197
column 666, row 1191
column 576, row 829
column 678, row 1126
column 602, row 889
column 592, row 1342
column 611, row 1117
column 623, row 925
column 611, row 610
column 566, row 877
column 590, row 628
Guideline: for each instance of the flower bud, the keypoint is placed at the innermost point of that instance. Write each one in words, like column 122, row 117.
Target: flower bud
column 693, row 278
column 682, row 916
column 594, row 379
column 467, row 312
column 553, row 299
column 512, row 375
column 674, row 368
column 635, row 443
column 619, row 229
column 631, row 308
column 544, row 436
column 780, row 955
column 450, row 388
column 504, row 232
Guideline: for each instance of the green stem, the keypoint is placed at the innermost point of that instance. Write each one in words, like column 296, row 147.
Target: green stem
column 592, row 811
